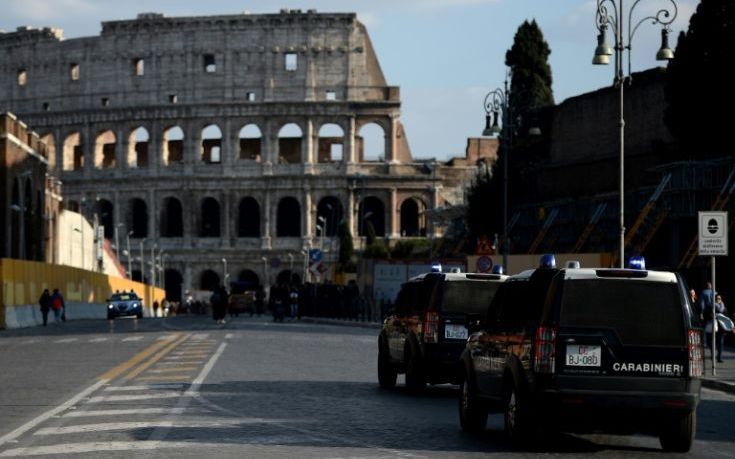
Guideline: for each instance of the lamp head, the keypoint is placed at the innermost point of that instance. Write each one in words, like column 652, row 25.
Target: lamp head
column 488, row 131
column 603, row 50
column 664, row 53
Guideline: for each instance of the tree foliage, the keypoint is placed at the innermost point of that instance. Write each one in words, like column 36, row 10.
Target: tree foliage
column 698, row 79
column 484, row 201
column 345, row 264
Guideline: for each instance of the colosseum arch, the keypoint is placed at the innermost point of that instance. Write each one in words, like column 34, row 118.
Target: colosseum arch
column 172, row 147
column 172, row 218
column 413, row 218
column 211, row 146
column 209, row 280
column 50, row 142
column 103, row 208
column 329, row 214
column 288, row 218
column 371, row 214
column 248, row 275
column 371, row 142
column 331, row 143
column 250, row 141
column 248, row 218
column 104, row 150
column 290, row 138
column 138, row 147
column 73, row 157
column 173, row 281
column 137, row 218
column 210, row 218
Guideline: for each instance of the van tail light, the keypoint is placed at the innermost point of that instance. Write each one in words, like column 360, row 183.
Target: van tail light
column 544, row 350
column 696, row 354
column 431, row 326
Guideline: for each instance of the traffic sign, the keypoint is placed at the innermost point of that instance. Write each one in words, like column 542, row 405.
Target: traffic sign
column 484, row 264
column 315, row 256
column 713, row 233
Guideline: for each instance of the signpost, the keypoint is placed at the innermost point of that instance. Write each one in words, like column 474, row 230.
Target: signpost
column 713, row 232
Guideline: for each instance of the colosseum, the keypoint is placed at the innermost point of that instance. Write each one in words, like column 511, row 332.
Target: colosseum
column 240, row 140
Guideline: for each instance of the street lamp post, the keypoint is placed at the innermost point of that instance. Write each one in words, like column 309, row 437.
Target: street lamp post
column 611, row 13
column 117, row 240
column 495, row 102
column 130, row 255
column 153, row 264
column 83, row 203
column 142, row 262
column 225, row 271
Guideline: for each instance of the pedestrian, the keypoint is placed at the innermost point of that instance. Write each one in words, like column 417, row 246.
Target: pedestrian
column 719, row 308
column 45, row 302
column 155, row 308
column 57, row 305
column 278, row 301
column 259, row 301
column 224, row 301
column 294, row 298
column 214, row 300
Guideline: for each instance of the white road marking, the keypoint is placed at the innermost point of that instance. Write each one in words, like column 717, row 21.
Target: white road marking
column 108, row 426
column 98, row 340
column 200, row 336
column 143, row 388
column 194, row 388
column 180, row 362
column 130, row 398
column 133, row 338
column 229, row 336
column 50, row 413
column 84, row 414
column 65, row 340
column 31, row 341
column 79, row 448
column 163, row 337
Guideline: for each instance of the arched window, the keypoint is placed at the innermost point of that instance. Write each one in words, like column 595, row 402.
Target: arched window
column 250, row 143
column 210, row 218
column 173, row 281
column 104, row 210
column 289, row 144
column 329, row 214
column 412, row 218
column 288, row 218
column 104, row 150
column 248, row 218
column 331, row 142
column 172, row 221
column 371, row 215
column 209, row 280
column 249, row 276
column 371, row 143
column 211, row 144
column 138, row 148
column 50, row 142
column 73, row 152
column 138, row 218
column 173, row 145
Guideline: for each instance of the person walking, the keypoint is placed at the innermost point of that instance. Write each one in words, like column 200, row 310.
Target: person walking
column 58, row 306
column 719, row 308
column 45, row 302
column 294, row 299
column 155, row 308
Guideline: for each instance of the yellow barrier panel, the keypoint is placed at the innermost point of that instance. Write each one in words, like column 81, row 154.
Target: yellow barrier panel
column 22, row 282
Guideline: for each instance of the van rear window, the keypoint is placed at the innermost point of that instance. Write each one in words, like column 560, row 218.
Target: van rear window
column 640, row 312
column 468, row 296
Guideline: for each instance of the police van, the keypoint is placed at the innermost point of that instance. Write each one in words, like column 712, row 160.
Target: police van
column 586, row 350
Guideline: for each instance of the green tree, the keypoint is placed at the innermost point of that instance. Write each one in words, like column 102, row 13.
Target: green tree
column 484, row 205
column 345, row 262
column 698, row 80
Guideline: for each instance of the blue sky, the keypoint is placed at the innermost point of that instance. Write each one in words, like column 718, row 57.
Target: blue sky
column 444, row 54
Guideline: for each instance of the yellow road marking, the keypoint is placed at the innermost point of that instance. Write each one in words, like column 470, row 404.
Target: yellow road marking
column 171, row 346
column 137, row 358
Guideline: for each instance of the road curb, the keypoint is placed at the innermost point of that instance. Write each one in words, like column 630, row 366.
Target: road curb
column 719, row 385
column 345, row 323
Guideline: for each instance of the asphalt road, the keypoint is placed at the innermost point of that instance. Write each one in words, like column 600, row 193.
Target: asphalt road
column 185, row 387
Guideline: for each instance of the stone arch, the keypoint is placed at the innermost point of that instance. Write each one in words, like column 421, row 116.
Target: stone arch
column 172, row 147
column 210, row 218
column 209, row 280
column 248, row 275
column 288, row 217
column 211, row 146
column 138, row 147
column 371, row 214
column 248, row 218
column 73, row 156
column 104, row 150
column 370, row 142
column 329, row 214
column 172, row 218
column 104, row 210
column 137, row 218
column 250, row 141
column 173, row 280
column 50, row 142
column 290, row 139
column 413, row 218
column 331, row 143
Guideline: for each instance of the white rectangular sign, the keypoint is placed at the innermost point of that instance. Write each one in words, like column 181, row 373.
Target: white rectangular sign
column 713, row 231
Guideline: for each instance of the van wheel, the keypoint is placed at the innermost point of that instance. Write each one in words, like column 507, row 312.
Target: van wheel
column 678, row 435
column 387, row 375
column 517, row 419
column 472, row 413
column 415, row 378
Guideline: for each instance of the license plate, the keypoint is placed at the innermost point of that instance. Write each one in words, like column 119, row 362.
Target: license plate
column 583, row 356
column 452, row 331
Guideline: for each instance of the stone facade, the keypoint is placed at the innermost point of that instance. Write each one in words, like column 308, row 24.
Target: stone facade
column 234, row 141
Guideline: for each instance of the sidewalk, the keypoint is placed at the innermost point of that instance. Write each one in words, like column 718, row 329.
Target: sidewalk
column 725, row 379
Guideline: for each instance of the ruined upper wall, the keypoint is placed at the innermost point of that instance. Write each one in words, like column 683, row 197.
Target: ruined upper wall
column 156, row 60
